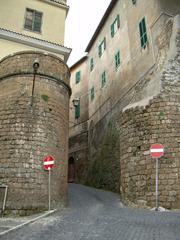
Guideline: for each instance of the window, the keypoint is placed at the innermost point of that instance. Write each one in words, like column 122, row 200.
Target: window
column 33, row 20
column 77, row 110
column 117, row 59
column 134, row 2
column 143, row 33
column 91, row 64
column 103, row 79
column 92, row 93
column 102, row 47
column 115, row 26
column 78, row 77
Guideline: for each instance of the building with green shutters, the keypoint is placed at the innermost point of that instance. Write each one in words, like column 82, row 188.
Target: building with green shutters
column 133, row 96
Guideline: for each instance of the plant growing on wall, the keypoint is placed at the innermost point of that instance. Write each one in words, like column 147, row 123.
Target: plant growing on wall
column 45, row 98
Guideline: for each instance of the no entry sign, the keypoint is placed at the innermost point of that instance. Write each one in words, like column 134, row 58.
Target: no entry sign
column 48, row 162
column 157, row 150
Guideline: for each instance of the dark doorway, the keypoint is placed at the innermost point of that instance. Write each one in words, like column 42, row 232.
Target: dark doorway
column 71, row 170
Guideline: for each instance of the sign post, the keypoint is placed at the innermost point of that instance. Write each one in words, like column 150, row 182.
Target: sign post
column 157, row 179
column 49, row 189
column 48, row 163
column 3, row 196
column 157, row 151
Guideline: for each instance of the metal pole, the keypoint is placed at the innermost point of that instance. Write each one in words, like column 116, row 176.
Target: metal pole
column 35, row 67
column 157, row 200
column 4, row 202
column 32, row 96
column 49, row 189
column 5, row 196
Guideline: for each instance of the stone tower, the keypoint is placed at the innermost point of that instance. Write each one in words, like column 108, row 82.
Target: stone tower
column 33, row 124
column 34, row 102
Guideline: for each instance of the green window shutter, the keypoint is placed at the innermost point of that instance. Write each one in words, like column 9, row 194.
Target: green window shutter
column 140, row 29
column 143, row 33
column 143, row 25
column 144, row 29
column 112, row 30
column 78, row 77
column 99, row 51
column 37, row 21
column 115, row 25
column 77, row 110
column 92, row 93
column 118, row 21
column 104, row 43
column 91, row 64
column 102, row 47
column 117, row 59
column 29, row 19
column 103, row 79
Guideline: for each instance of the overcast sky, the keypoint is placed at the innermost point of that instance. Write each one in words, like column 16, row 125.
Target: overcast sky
column 81, row 22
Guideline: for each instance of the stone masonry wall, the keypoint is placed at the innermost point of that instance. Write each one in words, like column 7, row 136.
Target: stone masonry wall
column 119, row 143
column 79, row 151
column 29, row 133
column 104, row 167
column 157, row 122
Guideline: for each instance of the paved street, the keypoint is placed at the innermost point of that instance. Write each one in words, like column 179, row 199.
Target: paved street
column 98, row 215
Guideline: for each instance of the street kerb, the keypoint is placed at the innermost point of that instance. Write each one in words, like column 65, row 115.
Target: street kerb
column 28, row 222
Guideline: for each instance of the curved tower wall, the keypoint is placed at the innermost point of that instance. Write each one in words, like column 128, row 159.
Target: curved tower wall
column 32, row 128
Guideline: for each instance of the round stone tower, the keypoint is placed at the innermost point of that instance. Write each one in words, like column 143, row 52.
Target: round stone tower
column 34, row 114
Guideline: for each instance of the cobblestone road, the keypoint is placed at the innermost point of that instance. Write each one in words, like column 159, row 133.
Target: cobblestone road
column 98, row 215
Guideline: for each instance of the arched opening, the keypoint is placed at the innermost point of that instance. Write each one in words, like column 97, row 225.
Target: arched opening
column 71, row 170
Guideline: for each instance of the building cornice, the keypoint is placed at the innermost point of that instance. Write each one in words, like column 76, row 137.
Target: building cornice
column 101, row 24
column 35, row 42
column 58, row 3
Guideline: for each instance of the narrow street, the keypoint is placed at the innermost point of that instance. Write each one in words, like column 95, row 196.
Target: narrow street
column 98, row 215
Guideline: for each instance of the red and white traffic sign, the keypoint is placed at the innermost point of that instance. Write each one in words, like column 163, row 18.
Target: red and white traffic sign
column 157, row 150
column 48, row 162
